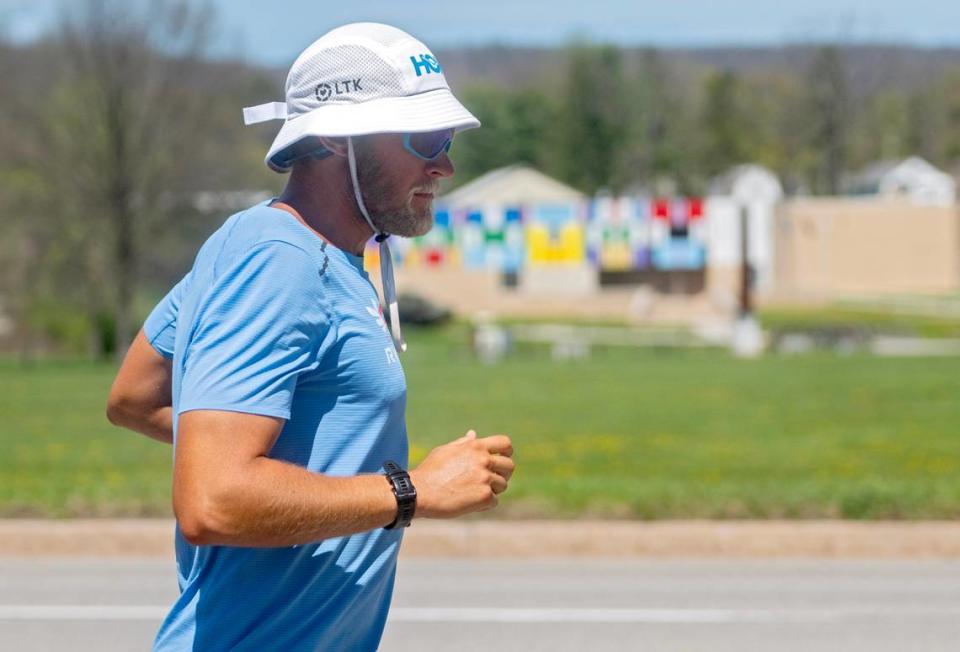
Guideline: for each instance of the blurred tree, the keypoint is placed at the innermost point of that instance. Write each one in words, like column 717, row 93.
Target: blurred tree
column 925, row 120
column 120, row 129
column 881, row 131
column 774, row 119
column 516, row 129
column 949, row 87
column 591, row 126
column 654, row 147
column 534, row 115
column 725, row 124
column 829, row 115
column 21, row 190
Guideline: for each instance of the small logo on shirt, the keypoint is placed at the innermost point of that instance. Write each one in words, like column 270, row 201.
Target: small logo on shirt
column 391, row 354
column 376, row 311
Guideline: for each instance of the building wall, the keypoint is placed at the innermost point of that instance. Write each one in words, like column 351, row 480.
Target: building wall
column 723, row 241
column 825, row 249
column 468, row 292
column 833, row 247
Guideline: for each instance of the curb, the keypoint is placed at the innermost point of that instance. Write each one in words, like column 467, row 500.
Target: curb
column 539, row 539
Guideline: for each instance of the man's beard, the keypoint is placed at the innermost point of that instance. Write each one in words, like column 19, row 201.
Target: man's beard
column 390, row 212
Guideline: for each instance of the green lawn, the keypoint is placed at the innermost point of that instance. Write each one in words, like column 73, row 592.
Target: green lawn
column 638, row 433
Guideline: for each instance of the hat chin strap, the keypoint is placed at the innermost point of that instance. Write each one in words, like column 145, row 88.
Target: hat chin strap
column 386, row 259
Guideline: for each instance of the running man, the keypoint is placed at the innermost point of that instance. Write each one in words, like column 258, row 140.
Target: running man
column 271, row 368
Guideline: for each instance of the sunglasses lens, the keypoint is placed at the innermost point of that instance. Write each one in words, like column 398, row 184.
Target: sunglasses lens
column 431, row 144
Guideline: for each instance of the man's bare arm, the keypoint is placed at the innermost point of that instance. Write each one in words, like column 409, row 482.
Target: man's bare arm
column 226, row 491
column 140, row 396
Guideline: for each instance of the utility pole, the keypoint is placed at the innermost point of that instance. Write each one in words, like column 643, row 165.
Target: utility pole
column 747, row 339
column 746, row 275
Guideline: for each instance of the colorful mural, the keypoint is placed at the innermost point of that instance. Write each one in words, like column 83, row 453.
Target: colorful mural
column 556, row 234
column 492, row 238
column 611, row 233
column 619, row 233
column 678, row 236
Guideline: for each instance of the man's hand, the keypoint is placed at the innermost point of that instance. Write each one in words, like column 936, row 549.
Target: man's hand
column 463, row 476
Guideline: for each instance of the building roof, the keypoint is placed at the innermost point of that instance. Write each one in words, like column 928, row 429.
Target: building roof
column 892, row 175
column 514, row 184
column 747, row 182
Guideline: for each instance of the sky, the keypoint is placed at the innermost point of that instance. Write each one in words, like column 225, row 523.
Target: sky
column 273, row 33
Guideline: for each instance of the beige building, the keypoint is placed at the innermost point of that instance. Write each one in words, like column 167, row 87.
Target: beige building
column 901, row 236
column 830, row 248
column 803, row 250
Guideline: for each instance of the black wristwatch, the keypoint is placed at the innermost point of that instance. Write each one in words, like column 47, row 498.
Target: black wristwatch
column 405, row 492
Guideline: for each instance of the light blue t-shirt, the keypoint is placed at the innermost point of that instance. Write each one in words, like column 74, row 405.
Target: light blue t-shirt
column 274, row 321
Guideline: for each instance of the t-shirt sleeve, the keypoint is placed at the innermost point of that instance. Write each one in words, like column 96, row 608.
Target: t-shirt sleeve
column 255, row 330
column 161, row 325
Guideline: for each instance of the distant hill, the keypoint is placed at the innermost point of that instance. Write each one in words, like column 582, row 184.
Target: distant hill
column 869, row 66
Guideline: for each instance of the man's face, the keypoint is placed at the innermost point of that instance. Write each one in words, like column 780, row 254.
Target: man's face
column 398, row 188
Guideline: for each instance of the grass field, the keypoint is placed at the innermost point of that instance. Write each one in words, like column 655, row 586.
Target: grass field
column 625, row 433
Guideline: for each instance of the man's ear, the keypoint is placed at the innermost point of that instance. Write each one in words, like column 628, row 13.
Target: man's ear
column 336, row 145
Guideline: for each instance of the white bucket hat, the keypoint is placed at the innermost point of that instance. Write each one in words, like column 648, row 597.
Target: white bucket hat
column 362, row 78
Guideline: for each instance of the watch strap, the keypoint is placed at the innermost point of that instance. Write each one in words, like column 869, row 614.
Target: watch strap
column 405, row 493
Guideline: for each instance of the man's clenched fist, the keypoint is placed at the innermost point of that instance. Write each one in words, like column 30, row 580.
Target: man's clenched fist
column 463, row 476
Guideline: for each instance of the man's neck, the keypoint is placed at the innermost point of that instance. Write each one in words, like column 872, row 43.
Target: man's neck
column 332, row 216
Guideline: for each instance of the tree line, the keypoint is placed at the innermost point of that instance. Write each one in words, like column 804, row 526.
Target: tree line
column 623, row 120
column 112, row 125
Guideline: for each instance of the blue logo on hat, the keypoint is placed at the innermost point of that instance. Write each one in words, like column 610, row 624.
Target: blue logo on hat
column 427, row 64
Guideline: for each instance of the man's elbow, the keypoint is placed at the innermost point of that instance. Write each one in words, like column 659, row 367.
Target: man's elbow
column 196, row 530
column 204, row 517
column 118, row 409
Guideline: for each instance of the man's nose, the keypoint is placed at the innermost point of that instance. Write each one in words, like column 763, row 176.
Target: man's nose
column 440, row 167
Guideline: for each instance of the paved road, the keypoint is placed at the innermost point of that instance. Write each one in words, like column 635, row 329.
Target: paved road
column 464, row 605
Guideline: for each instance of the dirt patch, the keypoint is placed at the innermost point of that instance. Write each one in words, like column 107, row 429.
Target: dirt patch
column 488, row 538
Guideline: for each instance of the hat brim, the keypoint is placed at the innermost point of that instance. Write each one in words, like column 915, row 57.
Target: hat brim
column 430, row 111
